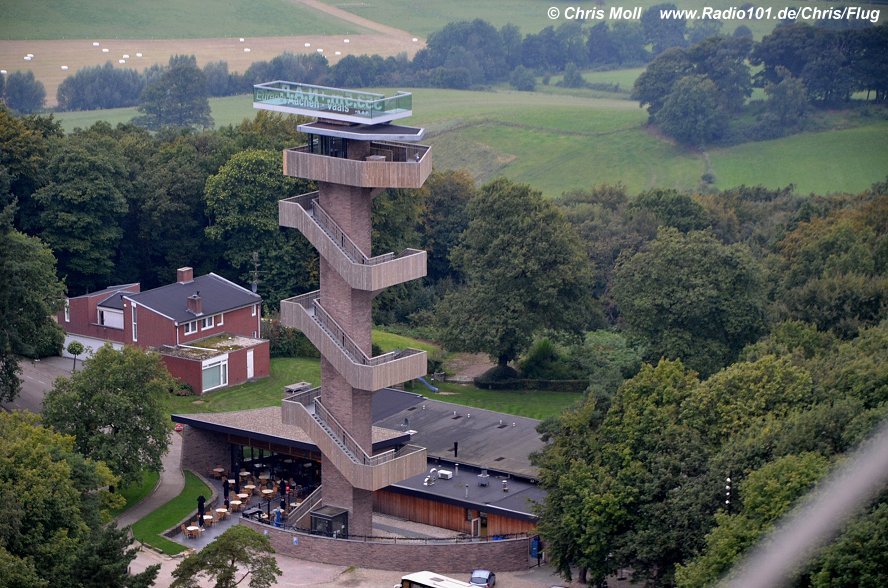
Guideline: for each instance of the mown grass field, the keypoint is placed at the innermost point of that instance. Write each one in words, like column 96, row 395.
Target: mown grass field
column 531, row 15
column 848, row 160
column 535, row 404
column 561, row 142
column 163, row 19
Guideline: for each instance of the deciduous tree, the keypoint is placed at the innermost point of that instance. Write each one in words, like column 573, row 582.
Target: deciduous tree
column 691, row 297
column 238, row 553
column 525, row 270
column 24, row 93
column 241, row 201
column 54, row 531
column 30, row 293
column 82, row 207
column 113, row 407
column 690, row 113
column 178, row 97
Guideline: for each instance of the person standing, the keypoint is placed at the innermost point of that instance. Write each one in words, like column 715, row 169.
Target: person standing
column 201, row 509
column 226, row 488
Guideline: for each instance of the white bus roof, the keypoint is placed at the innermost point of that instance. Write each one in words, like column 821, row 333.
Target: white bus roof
column 435, row 580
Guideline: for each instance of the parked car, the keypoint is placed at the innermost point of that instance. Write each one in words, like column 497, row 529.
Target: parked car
column 484, row 578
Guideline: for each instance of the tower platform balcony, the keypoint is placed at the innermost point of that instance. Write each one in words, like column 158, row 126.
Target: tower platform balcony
column 359, row 370
column 387, row 165
column 350, row 262
column 368, row 472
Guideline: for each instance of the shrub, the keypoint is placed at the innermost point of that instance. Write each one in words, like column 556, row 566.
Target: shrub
column 286, row 342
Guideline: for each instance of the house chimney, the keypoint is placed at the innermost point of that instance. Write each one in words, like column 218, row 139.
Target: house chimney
column 184, row 275
column 194, row 304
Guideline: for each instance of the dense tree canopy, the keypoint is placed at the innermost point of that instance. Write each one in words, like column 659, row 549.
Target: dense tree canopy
column 524, row 270
column 113, row 407
column 82, row 208
column 55, row 532
column 241, row 202
column 30, row 294
column 23, row 92
column 690, row 297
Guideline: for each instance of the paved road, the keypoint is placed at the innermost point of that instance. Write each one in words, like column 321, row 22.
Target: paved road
column 37, row 378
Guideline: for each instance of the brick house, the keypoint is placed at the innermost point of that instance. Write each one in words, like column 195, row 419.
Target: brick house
column 205, row 328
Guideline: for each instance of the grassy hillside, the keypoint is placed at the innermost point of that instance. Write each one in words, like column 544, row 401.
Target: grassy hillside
column 167, row 19
column 559, row 142
column 531, row 15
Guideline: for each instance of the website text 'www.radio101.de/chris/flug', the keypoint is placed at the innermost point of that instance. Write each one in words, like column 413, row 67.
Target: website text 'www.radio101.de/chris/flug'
column 808, row 13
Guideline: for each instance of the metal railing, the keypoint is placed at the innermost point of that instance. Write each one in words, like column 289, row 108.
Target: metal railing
column 308, row 504
column 309, row 203
column 310, row 399
column 398, row 152
column 326, row 101
column 310, row 302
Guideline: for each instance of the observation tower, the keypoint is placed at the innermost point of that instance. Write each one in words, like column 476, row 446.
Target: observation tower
column 353, row 153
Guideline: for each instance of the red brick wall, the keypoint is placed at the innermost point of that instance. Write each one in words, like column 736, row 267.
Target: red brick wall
column 502, row 556
column 262, row 360
column 85, row 316
column 154, row 330
column 188, row 371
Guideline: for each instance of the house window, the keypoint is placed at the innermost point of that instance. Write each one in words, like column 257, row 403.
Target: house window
column 135, row 324
column 255, row 306
column 206, row 323
column 219, row 319
column 111, row 318
column 191, row 327
column 67, row 311
column 215, row 374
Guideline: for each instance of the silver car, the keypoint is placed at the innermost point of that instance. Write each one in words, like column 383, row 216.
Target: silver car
column 484, row 578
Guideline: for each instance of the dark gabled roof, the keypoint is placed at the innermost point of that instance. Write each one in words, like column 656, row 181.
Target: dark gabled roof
column 217, row 295
column 109, row 290
column 114, row 301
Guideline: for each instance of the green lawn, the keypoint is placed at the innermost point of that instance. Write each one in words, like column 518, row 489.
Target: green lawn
column 535, row 404
column 841, row 160
column 163, row 19
column 137, row 491
column 389, row 341
column 266, row 392
column 150, row 529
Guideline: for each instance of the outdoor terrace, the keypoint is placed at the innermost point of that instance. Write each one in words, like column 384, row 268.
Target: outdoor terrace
column 388, row 165
column 331, row 103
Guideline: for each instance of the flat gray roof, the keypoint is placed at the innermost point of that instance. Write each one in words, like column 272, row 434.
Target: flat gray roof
column 487, row 439
column 518, row 501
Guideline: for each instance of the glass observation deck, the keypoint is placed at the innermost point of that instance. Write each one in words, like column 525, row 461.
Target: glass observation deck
column 332, row 103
